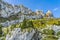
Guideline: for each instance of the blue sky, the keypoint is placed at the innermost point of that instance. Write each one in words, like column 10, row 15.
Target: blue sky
column 53, row 5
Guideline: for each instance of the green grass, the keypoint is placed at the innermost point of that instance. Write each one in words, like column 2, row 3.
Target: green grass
column 50, row 38
column 35, row 24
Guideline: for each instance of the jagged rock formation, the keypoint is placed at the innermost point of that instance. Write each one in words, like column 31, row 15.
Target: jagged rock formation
column 40, row 13
column 9, row 13
column 32, row 34
column 49, row 14
column 56, row 28
column 8, row 10
column 7, row 23
column 37, row 36
column 17, row 34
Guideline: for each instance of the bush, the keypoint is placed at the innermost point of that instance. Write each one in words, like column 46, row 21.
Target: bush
column 27, row 23
column 30, row 24
column 58, row 22
column 48, row 32
column 50, row 38
column 0, row 30
column 13, row 26
column 58, row 33
column 24, row 24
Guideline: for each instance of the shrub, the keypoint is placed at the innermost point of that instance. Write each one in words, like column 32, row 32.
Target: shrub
column 48, row 32
column 13, row 26
column 50, row 38
column 24, row 24
column 0, row 30
column 58, row 33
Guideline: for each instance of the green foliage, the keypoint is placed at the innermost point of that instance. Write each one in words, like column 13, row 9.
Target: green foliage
column 58, row 22
column 48, row 32
column 58, row 33
column 5, row 31
column 3, row 38
column 50, row 38
column 3, row 19
column 39, row 24
column 0, row 30
column 13, row 26
column 30, row 24
column 26, row 24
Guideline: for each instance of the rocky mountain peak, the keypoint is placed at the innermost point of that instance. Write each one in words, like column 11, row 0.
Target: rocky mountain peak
column 40, row 12
column 9, row 12
column 49, row 13
column 8, row 9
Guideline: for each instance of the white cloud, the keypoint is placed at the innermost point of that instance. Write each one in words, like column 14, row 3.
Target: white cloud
column 55, row 9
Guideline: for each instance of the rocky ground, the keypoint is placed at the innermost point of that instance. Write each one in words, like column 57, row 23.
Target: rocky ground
column 21, row 23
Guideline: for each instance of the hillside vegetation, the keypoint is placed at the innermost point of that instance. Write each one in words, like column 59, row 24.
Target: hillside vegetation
column 35, row 24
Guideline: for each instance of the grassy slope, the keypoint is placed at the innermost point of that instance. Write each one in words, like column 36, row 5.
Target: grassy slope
column 37, row 24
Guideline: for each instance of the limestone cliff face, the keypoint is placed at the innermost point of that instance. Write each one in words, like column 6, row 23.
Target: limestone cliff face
column 18, row 12
column 7, row 10
column 32, row 34
column 17, row 34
